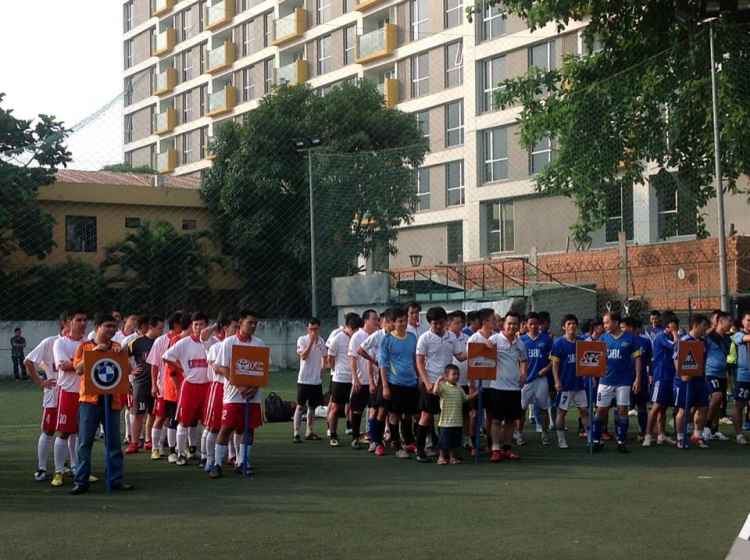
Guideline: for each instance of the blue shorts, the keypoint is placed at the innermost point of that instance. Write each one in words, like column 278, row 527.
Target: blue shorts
column 698, row 395
column 661, row 392
column 742, row 391
column 550, row 383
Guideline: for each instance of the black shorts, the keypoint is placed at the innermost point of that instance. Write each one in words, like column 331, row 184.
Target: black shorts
column 716, row 384
column 312, row 395
column 143, row 400
column 506, row 405
column 170, row 409
column 340, row 392
column 358, row 401
column 428, row 402
column 486, row 399
column 404, row 400
column 468, row 406
column 376, row 400
column 642, row 396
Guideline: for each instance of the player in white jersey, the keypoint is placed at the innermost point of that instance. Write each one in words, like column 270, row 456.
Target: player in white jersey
column 456, row 324
column 232, row 417
column 63, row 350
column 360, row 395
column 188, row 355
column 122, row 337
column 43, row 356
column 341, row 374
column 486, row 320
column 312, row 354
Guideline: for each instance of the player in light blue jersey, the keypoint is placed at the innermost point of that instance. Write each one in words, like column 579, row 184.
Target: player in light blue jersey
column 696, row 397
column 742, row 385
column 536, row 390
column 718, row 345
column 662, row 378
column 623, row 372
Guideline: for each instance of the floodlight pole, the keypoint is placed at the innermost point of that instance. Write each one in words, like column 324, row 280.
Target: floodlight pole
column 313, row 273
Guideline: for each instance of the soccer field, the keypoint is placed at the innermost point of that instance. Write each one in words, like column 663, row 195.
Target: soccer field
column 311, row 500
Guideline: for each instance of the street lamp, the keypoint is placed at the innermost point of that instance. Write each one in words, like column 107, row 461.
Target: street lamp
column 308, row 145
column 416, row 260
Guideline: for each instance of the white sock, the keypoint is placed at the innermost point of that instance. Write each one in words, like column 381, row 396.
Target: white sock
column 182, row 439
column 127, row 426
column 171, row 437
column 42, row 448
column 192, row 435
column 561, row 436
column 72, row 441
column 204, row 438
column 156, row 437
column 211, row 447
column 60, row 454
column 310, row 419
column 220, row 452
column 297, row 420
column 231, row 448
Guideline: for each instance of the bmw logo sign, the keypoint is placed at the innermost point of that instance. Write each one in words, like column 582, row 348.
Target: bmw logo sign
column 106, row 374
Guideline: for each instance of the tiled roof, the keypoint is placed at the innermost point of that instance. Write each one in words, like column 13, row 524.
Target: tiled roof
column 115, row 178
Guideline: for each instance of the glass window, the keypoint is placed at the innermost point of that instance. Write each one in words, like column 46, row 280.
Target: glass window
column 187, row 148
column 420, row 75
column 348, row 6
column 495, row 143
column 454, row 124
column 454, row 183
column 423, row 189
column 128, row 46
column 542, row 55
column 187, row 65
column 455, row 242
column 248, row 83
column 203, row 141
column 127, row 16
column 350, row 39
column 454, row 13
column 248, row 37
column 619, row 202
column 324, row 10
column 186, row 25
column 132, row 223
column 187, row 106
column 454, row 64
column 324, row 54
column 424, row 123
column 80, row 234
column 128, row 128
column 500, row 227
column 419, row 20
column 493, row 72
column 128, row 93
column 677, row 209
column 201, row 10
column 203, row 93
column 267, row 28
column 493, row 22
column 541, row 154
column 267, row 75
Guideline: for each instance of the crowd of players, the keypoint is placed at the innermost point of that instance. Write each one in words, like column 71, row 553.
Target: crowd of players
column 409, row 379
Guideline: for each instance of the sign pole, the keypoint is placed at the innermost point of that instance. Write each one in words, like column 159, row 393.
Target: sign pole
column 591, row 416
column 480, row 422
column 686, row 415
column 107, row 444
column 245, row 436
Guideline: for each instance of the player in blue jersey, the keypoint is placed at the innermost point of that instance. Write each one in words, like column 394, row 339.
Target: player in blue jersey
column 472, row 323
column 718, row 345
column 662, row 378
column 570, row 388
column 655, row 325
column 398, row 377
column 538, row 345
column 623, row 372
column 698, row 389
column 742, row 385
column 639, row 400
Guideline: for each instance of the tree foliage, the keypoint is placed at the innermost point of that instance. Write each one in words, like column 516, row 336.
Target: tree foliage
column 641, row 95
column 364, row 188
column 128, row 168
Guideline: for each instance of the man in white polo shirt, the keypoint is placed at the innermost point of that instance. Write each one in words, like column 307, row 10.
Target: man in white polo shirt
column 312, row 353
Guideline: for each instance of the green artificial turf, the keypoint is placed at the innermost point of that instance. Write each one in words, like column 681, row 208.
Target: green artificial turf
column 312, row 501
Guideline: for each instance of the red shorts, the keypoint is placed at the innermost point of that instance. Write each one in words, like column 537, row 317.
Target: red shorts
column 67, row 412
column 158, row 409
column 233, row 416
column 192, row 402
column 49, row 419
column 212, row 414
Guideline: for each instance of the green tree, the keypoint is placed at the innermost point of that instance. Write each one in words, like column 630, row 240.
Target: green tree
column 128, row 168
column 364, row 188
column 640, row 94
column 157, row 268
column 30, row 153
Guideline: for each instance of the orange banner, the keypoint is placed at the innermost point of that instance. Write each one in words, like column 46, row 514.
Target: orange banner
column 105, row 373
column 249, row 366
column 690, row 358
column 482, row 361
column 591, row 358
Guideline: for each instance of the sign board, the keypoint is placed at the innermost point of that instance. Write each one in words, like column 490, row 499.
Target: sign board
column 105, row 373
column 591, row 358
column 482, row 361
column 248, row 366
column 690, row 358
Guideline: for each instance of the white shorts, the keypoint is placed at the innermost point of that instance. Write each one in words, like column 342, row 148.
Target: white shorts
column 609, row 393
column 578, row 399
column 537, row 391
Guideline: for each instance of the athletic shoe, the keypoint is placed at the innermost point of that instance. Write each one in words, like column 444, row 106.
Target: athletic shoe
column 132, row 448
column 148, row 446
column 430, row 452
column 363, row 440
column 402, row 454
column 348, row 432
column 192, row 454
column 633, row 412
column 621, row 447
column 334, row 442
column 532, row 420
column 681, row 443
column 93, row 479
column 297, row 439
column 356, row 445
column 698, row 441
column 411, row 448
column 545, row 439
column 181, row 461
column 57, row 480
column 202, row 463
column 665, row 440
column 155, row 455
column 718, row 436
column 707, row 433
column 126, row 441
column 172, row 458
column 582, row 434
column 373, row 447
column 510, row 454
column 379, row 450
column 519, row 439
column 496, row 456
column 422, row 457
column 606, row 436
column 66, row 468
column 216, row 472
column 209, row 467
column 40, row 475
column 238, row 469
column 726, row 421
column 647, row 441
column 467, row 442
column 641, row 438
column 313, row 437
column 745, row 426
column 563, row 445
column 741, row 440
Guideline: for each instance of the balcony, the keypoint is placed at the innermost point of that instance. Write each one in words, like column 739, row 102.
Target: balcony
column 164, row 41
column 208, row 152
column 221, row 101
column 165, row 122
column 289, row 27
column 389, row 90
column 166, row 161
column 376, row 44
column 219, row 14
column 165, row 81
column 162, row 7
column 293, row 74
column 364, row 4
column 221, row 57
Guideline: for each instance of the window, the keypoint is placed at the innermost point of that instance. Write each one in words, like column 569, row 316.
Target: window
column 454, row 64
column 188, row 225
column 80, row 234
column 248, row 37
column 454, row 124
column 350, row 39
column 202, row 56
column 187, row 148
column 348, row 5
column 495, row 143
column 455, row 242
column 201, row 10
column 128, row 94
column 186, row 100
column 267, row 75
column 324, row 55
column 500, row 229
column 541, row 154
column 423, row 189
column 420, row 75
column 324, row 90
column 542, row 55
column 267, row 29
column 324, row 10
column 128, row 128
column 424, row 123
column 132, row 223
column 152, row 117
column 454, row 10
column 186, row 25
column 128, row 53
column 203, row 141
column 419, row 22
column 187, row 65
column 619, row 202
column 203, row 94
column 127, row 16
column 493, row 72
column 493, row 22
column 248, row 83
column 454, row 183
column 677, row 209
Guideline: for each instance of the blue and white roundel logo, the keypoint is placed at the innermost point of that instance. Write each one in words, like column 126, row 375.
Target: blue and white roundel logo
column 106, row 373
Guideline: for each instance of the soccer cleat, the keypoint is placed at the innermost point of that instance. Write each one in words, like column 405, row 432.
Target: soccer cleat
column 141, row 443
column 334, row 442
column 411, row 448
column 510, row 454
column 698, row 441
column 379, row 450
column 296, row 439
column 209, row 467
column 216, row 472
column 582, row 434
column 131, row 448
column 430, row 452
column 422, row 457
column 202, row 463
column 148, row 446
column 356, row 445
column 363, row 440
column 373, row 447
column 312, row 437
column 172, row 458
column 726, row 421
column 647, row 440
column 466, row 443
column 496, row 456
column 741, row 439
column 621, row 448
column 40, row 475
column 545, row 439
column 518, row 438
column 665, row 440
column 563, row 445
column 181, row 461
column 606, row 436
column 248, row 472
column 92, row 478
column 402, row 454
column 348, row 432
column 57, row 480
column 155, row 455
column 633, row 412
column 718, row 436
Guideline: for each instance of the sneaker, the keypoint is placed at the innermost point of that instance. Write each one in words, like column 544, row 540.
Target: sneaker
column 356, row 445
column 466, row 443
column 92, row 478
column 172, row 458
column 726, row 421
column 422, row 457
column 510, row 454
column 57, row 480
column 545, row 439
column 181, row 461
column 582, row 434
column 402, row 454
column 40, row 475
column 741, row 440
column 496, row 456
column 621, row 448
column 373, row 446
column 430, row 452
column 379, row 450
column 348, row 432
column 208, row 467
column 297, row 439
column 192, row 454
column 538, row 428
column 238, row 469
column 633, row 412
column 148, row 446
column 126, row 441
column 66, row 468
column 334, row 442
column 718, row 436
column 681, row 443
column 647, row 441
column 132, row 448
column 563, row 445
column 698, row 441
column 606, row 436
column 519, row 438
column 665, row 440
column 364, row 440
column 155, row 455
column 312, row 437
column 216, row 472
column 202, row 463
column 745, row 426
column 411, row 448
